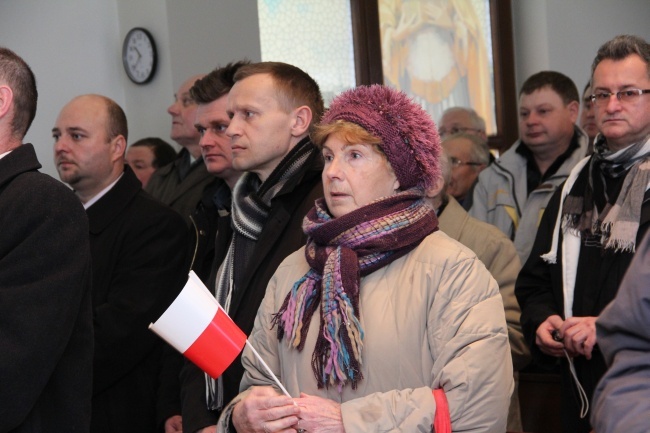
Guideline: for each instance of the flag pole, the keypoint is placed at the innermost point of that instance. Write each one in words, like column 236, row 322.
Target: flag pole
column 268, row 370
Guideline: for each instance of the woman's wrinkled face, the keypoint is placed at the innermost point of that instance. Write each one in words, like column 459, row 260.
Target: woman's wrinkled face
column 354, row 175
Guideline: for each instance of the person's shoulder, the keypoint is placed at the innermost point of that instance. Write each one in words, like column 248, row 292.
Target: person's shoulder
column 510, row 159
column 297, row 258
column 42, row 188
column 290, row 270
column 441, row 250
column 161, row 176
column 485, row 232
column 146, row 210
column 150, row 204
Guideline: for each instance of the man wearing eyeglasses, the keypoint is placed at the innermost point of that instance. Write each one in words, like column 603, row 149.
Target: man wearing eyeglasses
column 512, row 192
column 468, row 156
column 589, row 233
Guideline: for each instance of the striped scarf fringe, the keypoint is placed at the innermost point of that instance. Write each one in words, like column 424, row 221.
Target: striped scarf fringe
column 617, row 225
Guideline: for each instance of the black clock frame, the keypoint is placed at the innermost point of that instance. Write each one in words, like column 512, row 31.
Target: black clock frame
column 124, row 55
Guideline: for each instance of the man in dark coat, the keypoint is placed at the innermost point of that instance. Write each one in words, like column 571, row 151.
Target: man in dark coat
column 181, row 183
column 138, row 249
column 45, row 275
column 210, row 94
column 589, row 232
column 272, row 107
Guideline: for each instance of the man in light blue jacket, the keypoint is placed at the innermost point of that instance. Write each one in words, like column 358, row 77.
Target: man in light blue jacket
column 512, row 192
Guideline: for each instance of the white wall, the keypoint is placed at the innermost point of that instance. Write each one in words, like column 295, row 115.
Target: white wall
column 564, row 35
column 71, row 47
column 74, row 47
column 208, row 33
column 145, row 105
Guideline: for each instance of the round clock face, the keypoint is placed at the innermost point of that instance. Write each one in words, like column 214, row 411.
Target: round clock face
column 139, row 56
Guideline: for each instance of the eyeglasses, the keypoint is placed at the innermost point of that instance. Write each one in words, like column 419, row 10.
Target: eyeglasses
column 455, row 162
column 628, row 95
column 455, row 130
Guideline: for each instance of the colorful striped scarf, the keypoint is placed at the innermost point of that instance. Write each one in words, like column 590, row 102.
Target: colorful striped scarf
column 340, row 251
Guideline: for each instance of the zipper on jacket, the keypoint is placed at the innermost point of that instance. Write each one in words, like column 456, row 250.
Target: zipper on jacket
column 512, row 185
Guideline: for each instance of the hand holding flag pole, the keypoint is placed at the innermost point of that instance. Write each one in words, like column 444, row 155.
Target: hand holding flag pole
column 198, row 327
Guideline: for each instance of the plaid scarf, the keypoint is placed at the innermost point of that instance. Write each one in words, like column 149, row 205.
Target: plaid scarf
column 618, row 223
column 340, row 251
column 251, row 204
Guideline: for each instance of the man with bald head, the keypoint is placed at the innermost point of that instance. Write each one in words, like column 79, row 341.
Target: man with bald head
column 181, row 183
column 137, row 248
column 455, row 120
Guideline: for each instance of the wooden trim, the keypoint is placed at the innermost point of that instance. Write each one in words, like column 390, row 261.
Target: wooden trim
column 367, row 49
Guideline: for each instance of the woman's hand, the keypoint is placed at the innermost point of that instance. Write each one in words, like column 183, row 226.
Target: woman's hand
column 265, row 411
column 319, row 415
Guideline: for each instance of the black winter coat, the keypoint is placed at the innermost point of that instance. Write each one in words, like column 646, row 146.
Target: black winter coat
column 140, row 264
column 46, row 340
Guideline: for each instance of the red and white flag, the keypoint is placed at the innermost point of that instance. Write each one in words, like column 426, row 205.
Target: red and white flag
column 197, row 326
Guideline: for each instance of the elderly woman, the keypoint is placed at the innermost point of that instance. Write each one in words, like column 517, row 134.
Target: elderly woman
column 380, row 308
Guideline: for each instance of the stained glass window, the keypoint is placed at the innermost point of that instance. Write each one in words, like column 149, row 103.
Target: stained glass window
column 314, row 35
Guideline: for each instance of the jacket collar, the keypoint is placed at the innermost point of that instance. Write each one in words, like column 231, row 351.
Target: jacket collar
column 283, row 208
column 453, row 218
column 20, row 160
column 107, row 208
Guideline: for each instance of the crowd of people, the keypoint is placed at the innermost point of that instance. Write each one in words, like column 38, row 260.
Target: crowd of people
column 394, row 275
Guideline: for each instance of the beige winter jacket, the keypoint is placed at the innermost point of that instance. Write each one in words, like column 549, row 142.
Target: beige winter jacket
column 433, row 318
column 499, row 255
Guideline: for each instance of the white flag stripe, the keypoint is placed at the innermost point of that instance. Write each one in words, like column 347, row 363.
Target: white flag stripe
column 188, row 316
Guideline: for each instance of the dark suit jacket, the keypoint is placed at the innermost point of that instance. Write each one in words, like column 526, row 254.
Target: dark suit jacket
column 45, row 312
column 139, row 266
column 282, row 235
column 182, row 196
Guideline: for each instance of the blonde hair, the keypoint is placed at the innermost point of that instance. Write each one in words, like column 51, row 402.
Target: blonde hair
column 349, row 132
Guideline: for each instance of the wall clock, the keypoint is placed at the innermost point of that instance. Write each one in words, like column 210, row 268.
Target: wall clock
column 139, row 55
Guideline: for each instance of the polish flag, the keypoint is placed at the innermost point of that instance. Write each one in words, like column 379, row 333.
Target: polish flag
column 197, row 326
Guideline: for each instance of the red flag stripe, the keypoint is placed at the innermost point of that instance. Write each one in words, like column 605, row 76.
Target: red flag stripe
column 218, row 346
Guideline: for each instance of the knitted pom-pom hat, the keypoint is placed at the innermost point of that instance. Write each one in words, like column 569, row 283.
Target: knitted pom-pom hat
column 409, row 138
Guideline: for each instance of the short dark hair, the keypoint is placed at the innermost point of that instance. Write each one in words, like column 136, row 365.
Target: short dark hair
column 15, row 72
column 295, row 86
column 558, row 82
column 116, row 120
column 216, row 84
column 163, row 152
column 620, row 47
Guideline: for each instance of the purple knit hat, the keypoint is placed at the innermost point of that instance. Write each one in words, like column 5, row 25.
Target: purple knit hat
column 409, row 138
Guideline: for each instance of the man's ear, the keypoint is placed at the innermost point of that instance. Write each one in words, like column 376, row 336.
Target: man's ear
column 6, row 100
column 574, row 110
column 119, row 147
column 301, row 120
